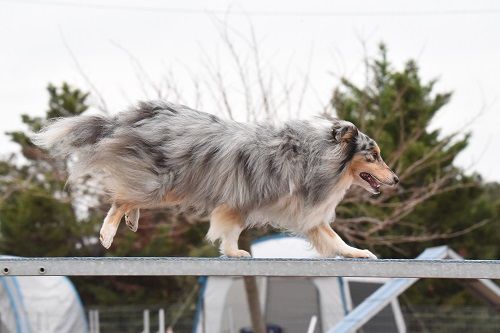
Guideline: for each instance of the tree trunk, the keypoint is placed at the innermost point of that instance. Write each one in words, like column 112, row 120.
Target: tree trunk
column 253, row 295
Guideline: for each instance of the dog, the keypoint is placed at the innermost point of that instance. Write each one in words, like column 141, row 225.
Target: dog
column 157, row 154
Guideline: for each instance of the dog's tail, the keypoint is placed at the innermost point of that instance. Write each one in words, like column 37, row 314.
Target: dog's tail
column 64, row 136
column 104, row 144
column 78, row 135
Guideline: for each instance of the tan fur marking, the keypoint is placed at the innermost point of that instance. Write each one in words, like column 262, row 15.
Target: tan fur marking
column 120, row 211
column 329, row 231
column 349, row 134
column 378, row 168
column 226, row 218
column 111, row 223
column 319, row 240
column 326, row 241
column 226, row 224
column 172, row 199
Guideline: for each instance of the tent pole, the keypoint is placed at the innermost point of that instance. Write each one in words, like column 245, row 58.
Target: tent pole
column 145, row 316
column 91, row 321
column 161, row 321
column 252, row 292
column 97, row 325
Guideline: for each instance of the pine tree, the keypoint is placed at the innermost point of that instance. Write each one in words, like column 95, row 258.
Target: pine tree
column 435, row 200
column 36, row 213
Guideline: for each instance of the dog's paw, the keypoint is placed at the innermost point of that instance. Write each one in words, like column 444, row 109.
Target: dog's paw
column 238, row 254
column 132, row 219
column 362, row 254
column 106, row 236
column 365, row 254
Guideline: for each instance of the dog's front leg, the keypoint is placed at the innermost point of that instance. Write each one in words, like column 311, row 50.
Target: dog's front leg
column 226, row 224
column 329, row 244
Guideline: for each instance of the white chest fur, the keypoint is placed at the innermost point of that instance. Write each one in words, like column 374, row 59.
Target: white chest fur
column 290, row 212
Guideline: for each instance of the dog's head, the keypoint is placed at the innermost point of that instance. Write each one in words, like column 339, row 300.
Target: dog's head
column 362, row 158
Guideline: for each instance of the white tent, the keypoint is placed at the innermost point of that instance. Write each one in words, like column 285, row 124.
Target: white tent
column 40, row 304
column 342, row 305
column 289, row 303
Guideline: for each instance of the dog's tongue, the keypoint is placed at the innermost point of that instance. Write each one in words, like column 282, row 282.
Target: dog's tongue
column 369, row 178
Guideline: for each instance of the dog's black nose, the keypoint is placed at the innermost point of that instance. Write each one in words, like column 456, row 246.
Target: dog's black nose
column 395, row 179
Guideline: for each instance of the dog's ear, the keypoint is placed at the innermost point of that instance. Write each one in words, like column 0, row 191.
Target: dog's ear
column 343, row 132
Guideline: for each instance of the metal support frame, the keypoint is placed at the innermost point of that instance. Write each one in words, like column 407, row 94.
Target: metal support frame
column 175, row 266
column 94, row 326
column 145, row 321
column 389, row 292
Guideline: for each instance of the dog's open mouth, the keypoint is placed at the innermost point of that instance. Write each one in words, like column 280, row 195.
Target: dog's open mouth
column 374, row 182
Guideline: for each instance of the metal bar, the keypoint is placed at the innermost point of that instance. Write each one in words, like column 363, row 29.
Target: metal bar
column 398, row 314
column 171, row 266
column 312, row 324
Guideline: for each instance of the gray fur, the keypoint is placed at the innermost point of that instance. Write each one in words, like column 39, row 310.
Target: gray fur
column 158, row 147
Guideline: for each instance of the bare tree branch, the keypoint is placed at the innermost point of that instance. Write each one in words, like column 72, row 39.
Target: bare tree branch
column 102, row 106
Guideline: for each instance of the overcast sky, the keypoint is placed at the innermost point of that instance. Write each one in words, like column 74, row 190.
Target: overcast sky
column 455, row 41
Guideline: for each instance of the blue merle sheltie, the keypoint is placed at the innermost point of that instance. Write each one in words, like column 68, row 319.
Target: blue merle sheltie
column 156, row 154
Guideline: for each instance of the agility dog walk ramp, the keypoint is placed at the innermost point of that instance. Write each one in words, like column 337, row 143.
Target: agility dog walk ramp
column 485, row 289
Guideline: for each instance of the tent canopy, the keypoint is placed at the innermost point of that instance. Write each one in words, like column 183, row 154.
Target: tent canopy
column 288, row 303
column 41, row 304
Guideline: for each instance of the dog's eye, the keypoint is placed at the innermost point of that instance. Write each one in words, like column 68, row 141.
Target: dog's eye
column 375, row 155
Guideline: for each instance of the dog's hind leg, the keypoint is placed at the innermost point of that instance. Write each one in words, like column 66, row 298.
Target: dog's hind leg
column 328, row 244
column 111, row 223
column 132, row 219
column 132, row 216
column 226, row 224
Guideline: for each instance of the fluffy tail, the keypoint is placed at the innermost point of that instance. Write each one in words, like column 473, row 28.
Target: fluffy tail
column 65, row 136
column 105, row 145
